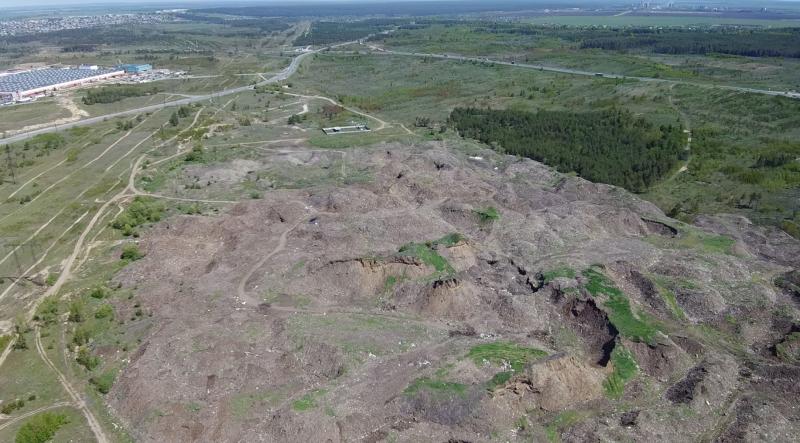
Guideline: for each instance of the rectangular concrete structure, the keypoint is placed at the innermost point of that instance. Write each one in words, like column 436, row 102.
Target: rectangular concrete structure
column 345, row 129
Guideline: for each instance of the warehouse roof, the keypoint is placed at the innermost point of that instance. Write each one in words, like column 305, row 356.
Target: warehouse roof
column 38, row 78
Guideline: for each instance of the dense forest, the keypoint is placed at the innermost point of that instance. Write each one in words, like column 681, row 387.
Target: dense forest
column 111, row 94
column 746, row 42
column 610, row 146
column 732, row 40
column 263, row 24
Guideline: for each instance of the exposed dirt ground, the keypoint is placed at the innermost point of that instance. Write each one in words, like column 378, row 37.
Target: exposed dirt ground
column 301, row 317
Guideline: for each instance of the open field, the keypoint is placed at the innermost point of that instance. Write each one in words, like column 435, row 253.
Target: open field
column 562, row 47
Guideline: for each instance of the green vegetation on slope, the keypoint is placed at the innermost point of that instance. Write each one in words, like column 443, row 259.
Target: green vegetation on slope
column 435, row 386
column 611, row 146
column 640, row 328
column 500, row 352
column 427, row 254
column 625, row 368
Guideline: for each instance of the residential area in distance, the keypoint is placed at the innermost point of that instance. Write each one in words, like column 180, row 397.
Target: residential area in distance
column 400, row 221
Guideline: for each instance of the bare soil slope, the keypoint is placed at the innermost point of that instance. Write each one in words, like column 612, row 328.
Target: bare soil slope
column 405, row 309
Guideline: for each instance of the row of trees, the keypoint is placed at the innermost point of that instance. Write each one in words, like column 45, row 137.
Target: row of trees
column 610, row 146
column 111, row 94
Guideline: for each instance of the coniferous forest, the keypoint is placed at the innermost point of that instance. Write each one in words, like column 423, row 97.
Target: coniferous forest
column 609, row 146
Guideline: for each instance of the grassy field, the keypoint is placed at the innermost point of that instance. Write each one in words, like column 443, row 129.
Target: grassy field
column 26, row 114
column 402, row 88
column 561, row 47
column 731, row 130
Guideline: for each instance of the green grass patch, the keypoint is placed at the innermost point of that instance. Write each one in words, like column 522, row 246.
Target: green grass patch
column 498, row 380
column 40, row 428
column 561, row 272
column 692, row 238
column 640, row 328
column 500, row 352
column 487, row 215
column 625, row 368
column 308, row 401
column 669, row 298
column 439, row 387
column 428, row 255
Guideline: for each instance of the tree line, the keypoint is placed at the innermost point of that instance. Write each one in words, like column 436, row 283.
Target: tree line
column 609, row 146
column 111, row 94
column 744, row 42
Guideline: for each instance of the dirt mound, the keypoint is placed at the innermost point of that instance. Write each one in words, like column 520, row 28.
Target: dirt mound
column 659, row 360
column 559, row 382
column 593, row 326
column 366, row 278
column 447, row 298
column 684, row 390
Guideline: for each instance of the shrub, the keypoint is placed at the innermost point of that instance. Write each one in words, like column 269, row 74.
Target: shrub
column 142, row 210
column 131, row 252
column 99, row 292
column 40, row 428
column 105, row 311
column 47, row 312
column 76, row 311
column 103, row 382
column 86, row 359
column 82, row 335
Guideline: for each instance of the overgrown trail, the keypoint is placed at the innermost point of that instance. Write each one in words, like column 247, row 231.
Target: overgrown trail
column 76, row 398
column 241, row 289
column 17, row 418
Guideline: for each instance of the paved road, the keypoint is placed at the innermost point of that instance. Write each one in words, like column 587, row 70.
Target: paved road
column 794, row 95
column 281, row 76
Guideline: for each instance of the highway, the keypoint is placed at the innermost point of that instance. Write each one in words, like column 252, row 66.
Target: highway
column 788, row 94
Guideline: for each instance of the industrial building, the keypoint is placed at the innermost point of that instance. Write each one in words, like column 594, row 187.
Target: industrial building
column 17, row 86
column 135, row 68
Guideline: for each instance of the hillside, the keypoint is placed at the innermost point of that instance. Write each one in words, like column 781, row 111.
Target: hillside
column 459, row 297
